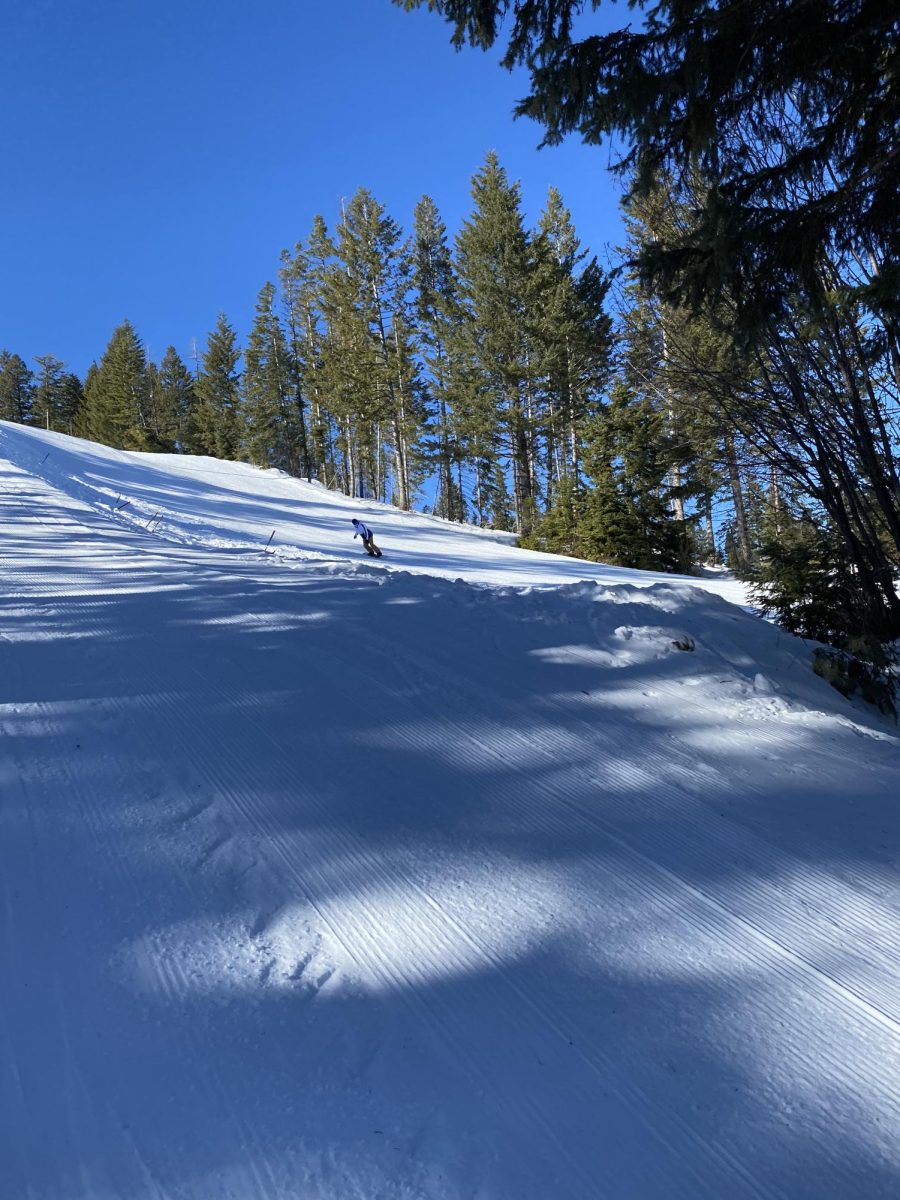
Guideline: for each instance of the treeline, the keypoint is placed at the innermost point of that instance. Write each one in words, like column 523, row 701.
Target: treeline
column 509, row 377
column 484, row 373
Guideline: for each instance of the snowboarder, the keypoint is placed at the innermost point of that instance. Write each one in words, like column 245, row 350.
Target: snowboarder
column 368, row 541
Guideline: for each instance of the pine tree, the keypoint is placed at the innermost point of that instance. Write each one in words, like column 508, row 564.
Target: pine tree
column 563, row 528
column 410, row 408
column 789, row 109
column 273, row 433
column 115, row 397
column 324, row 433
column 494, row 267
column 47, row 395
column 438, row 315
column 366, row 369
column 71, row 398
column 669, row 355
column 159, row 419
column 83, row 415
column 627, row 516
column 345, row 371
column 573, row 340
column 16, row 388
column 176, row 400
column 300, row 276
column 218, row 427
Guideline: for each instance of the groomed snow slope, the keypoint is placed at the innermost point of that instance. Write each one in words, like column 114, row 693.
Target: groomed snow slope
column 229, row 506
column 325, row 881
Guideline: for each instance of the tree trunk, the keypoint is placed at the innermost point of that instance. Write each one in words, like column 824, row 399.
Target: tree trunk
column 742, row 533
column 675, row 477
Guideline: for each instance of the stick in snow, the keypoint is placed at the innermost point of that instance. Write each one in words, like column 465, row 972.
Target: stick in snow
column 269, row 542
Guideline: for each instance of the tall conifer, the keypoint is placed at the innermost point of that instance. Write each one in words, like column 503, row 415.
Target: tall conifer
column 16, row 387
column 176, row 385
column 439, row 315
column 115, row 402
column 47, row 391
column 218, row 426
column 273, row 434
column 494, row 266
column 574, row 344
column 71, row 398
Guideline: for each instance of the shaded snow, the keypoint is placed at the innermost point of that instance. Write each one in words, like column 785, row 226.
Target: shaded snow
column 322, row 879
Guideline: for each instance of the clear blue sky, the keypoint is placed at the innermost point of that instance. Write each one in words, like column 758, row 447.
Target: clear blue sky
column 159, row 155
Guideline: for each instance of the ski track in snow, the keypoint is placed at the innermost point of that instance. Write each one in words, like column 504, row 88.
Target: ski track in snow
column 324, row 880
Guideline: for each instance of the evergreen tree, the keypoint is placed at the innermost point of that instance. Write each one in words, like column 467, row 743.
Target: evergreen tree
column 628, row 515
column 410, row 408
column 324, row 433
column 789, row 109
column 438, row 315
column 273, row 434
column 115, row 397
column 71, row 398
column 344, row 371
column 804, row 578
column 82, row 416
column 563, row 528
column 16, row 388
column 159, row 420
column 218, row 427
column 574, row 344
column 300, row 276
column 176, row 401
column 47, row 396
column 494, row 267
column 366, row 368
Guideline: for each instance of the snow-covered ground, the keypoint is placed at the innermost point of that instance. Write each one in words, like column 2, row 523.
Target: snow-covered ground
column 324, row 880
column 229, row 506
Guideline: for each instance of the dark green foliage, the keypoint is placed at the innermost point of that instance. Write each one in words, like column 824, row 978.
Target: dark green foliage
column 70, row 400
column 810, row 400
column 609, row 528
column 806, row 580
column 624, row 516
column 790, row 109
column 557, row 530
column 367, row 373
column 572, row 341
column 159, row 420
column 176, row 401
column 497, row 500
column 769, row 131
column 16, row 388
column 439, row 316
column 864, row 669
column 47, row 396
column 494, row 267
column 217, row 424
column 629, row 517
column 302, row 276
column 116, row 397
column 272, row 418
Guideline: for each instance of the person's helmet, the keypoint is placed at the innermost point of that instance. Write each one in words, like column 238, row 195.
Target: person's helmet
column 353, row 521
